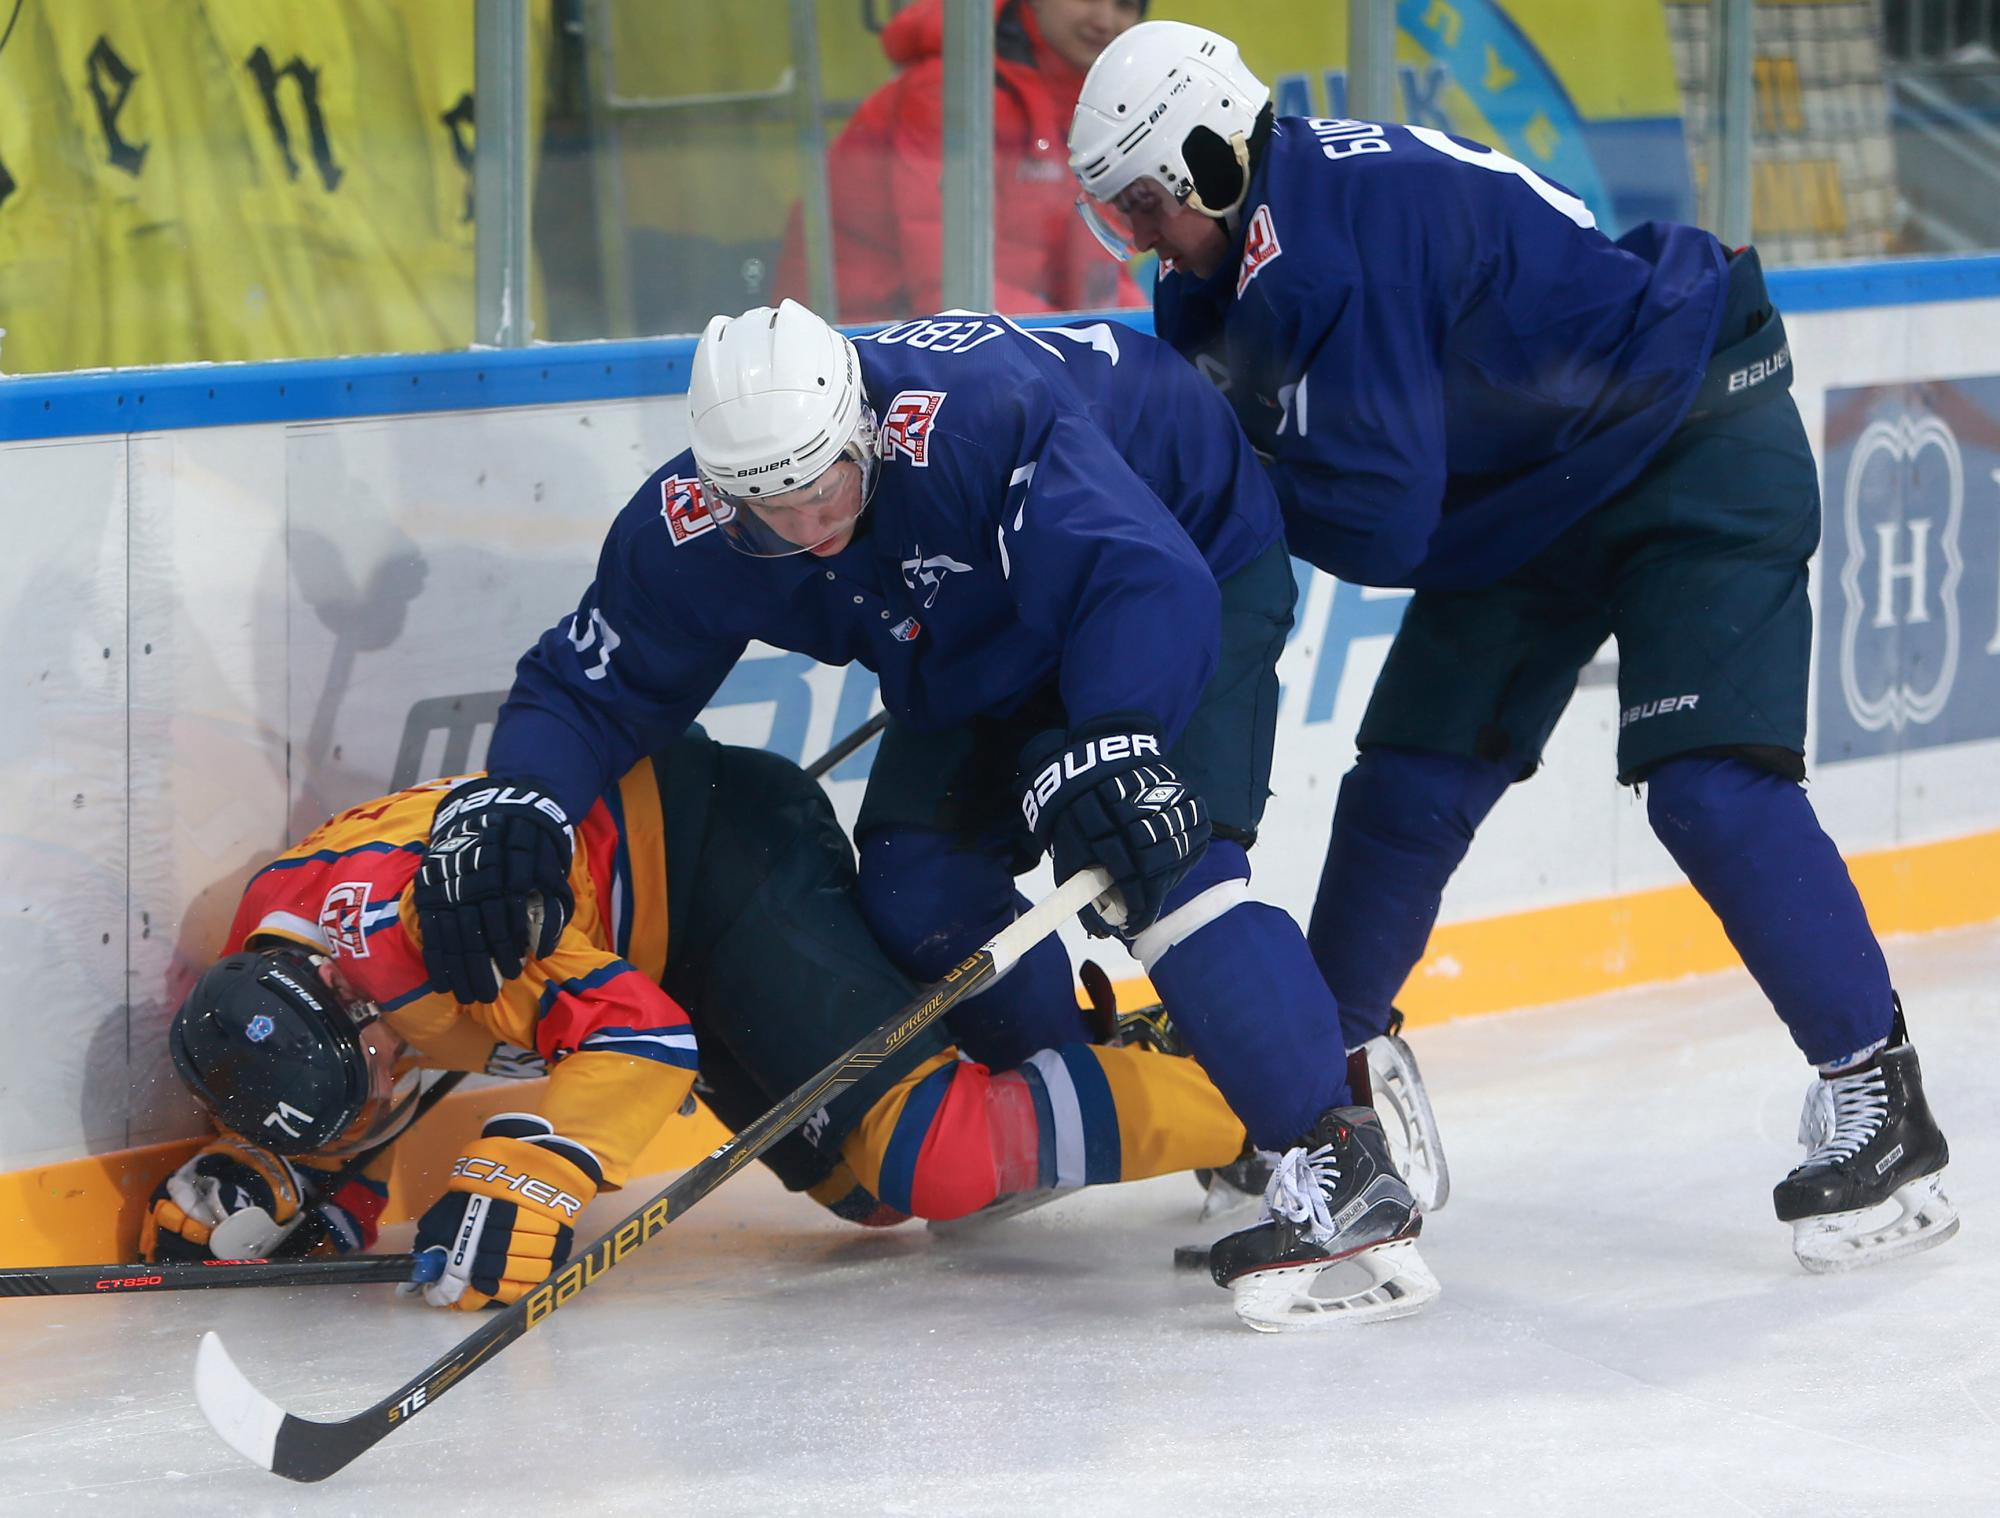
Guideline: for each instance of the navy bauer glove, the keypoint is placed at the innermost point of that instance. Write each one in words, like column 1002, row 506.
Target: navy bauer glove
column 1107, row 798
column 497, row 845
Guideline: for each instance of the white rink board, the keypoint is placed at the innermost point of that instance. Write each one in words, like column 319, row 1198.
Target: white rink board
column 216, row 638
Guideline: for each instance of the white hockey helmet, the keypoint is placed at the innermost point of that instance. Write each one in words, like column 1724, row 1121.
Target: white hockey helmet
column 1148, row 92
column 775, row 401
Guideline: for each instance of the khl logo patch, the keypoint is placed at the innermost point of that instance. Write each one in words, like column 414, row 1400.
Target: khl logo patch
column 906, row 425
column 341, row 918
column 686, row 512
column 1260, row 246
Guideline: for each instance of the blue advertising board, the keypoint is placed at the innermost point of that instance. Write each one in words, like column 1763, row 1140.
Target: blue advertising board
column 1909, row 617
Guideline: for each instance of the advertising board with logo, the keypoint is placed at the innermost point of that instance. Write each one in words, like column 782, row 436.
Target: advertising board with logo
column 1909, row 614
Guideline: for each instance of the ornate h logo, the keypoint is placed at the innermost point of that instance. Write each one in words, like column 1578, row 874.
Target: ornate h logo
column 1901, row 570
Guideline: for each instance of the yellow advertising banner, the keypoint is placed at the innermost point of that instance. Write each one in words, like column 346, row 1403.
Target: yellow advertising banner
column 246, row 179
column 234, row 179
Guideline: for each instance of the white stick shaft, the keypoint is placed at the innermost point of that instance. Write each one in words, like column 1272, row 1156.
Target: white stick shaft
column 1045, row 916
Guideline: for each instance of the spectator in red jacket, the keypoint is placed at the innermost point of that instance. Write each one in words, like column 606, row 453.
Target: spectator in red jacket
column 884, row 170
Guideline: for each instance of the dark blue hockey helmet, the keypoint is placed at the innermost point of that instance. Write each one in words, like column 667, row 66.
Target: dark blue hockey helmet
column 280, row 1053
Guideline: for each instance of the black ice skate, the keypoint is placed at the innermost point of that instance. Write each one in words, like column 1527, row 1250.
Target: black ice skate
column 1383, row 1074
column 1338, row 1238
column 1871, row 1144
column 1237, row 1186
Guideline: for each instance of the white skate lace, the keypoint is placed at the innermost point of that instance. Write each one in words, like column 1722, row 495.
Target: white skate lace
column 1843, row 1114
column 1299, row 1186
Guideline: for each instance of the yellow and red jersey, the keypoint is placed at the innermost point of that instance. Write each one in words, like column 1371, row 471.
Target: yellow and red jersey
column 620, row 1050
column 943, row 1141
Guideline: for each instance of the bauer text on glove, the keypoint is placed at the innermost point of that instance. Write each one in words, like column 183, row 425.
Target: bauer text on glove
column 499, row 852
column 1104, row 796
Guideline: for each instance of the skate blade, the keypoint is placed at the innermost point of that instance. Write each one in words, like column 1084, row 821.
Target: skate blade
column 1839, row 1241
column 1387, row 1281
column 1415, row 1146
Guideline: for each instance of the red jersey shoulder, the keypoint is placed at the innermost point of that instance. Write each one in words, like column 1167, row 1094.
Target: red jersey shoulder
column 341, row 884
column 340, row 902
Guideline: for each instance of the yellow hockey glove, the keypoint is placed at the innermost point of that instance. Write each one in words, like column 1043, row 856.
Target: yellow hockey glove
column 508, row 1215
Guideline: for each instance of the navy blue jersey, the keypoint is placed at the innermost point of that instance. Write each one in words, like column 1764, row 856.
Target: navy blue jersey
column 1443, row 361
column 1052, row 505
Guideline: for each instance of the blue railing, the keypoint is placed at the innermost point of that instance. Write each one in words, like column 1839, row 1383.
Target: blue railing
column 219, row 395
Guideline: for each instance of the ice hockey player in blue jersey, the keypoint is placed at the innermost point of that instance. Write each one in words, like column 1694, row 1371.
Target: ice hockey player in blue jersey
column 1058, row 553
column 1459, row 385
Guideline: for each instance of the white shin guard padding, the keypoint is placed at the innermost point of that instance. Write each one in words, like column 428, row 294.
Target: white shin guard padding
column 1187, row 919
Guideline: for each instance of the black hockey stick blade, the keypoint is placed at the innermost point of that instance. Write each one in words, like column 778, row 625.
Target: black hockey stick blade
column 308, row 1449
column 201, row 1275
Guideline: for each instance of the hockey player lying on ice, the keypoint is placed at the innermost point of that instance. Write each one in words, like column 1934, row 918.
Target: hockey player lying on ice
column 1057, row 550
column 713, row 919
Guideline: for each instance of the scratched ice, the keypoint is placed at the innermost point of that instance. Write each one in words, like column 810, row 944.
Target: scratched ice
column 1623, row 1331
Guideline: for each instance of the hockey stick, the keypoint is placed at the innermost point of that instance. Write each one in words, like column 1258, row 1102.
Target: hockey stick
column 307, row 1449
column 847, row 745
column 197, row 1275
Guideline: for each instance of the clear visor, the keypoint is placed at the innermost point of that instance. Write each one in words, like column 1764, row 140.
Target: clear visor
column 391, row 1105
column 1125, row 224
column 802, row 520
column 394, row 1080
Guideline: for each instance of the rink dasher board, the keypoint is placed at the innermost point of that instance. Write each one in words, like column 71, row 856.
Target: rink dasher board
column 225, row 630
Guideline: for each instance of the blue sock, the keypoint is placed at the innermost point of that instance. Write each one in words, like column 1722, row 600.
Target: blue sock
column 1245, row 994
column 1403, row 822
column 1749, row 842
column 930, row 902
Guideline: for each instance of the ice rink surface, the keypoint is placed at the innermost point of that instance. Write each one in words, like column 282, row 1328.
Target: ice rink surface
column 1623, row 1332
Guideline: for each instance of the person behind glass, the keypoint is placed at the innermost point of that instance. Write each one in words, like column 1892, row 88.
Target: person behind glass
column 1459, row 384
column 885, row 167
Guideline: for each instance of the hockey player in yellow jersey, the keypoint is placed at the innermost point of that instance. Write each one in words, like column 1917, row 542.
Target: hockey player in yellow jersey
column 712, row 929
